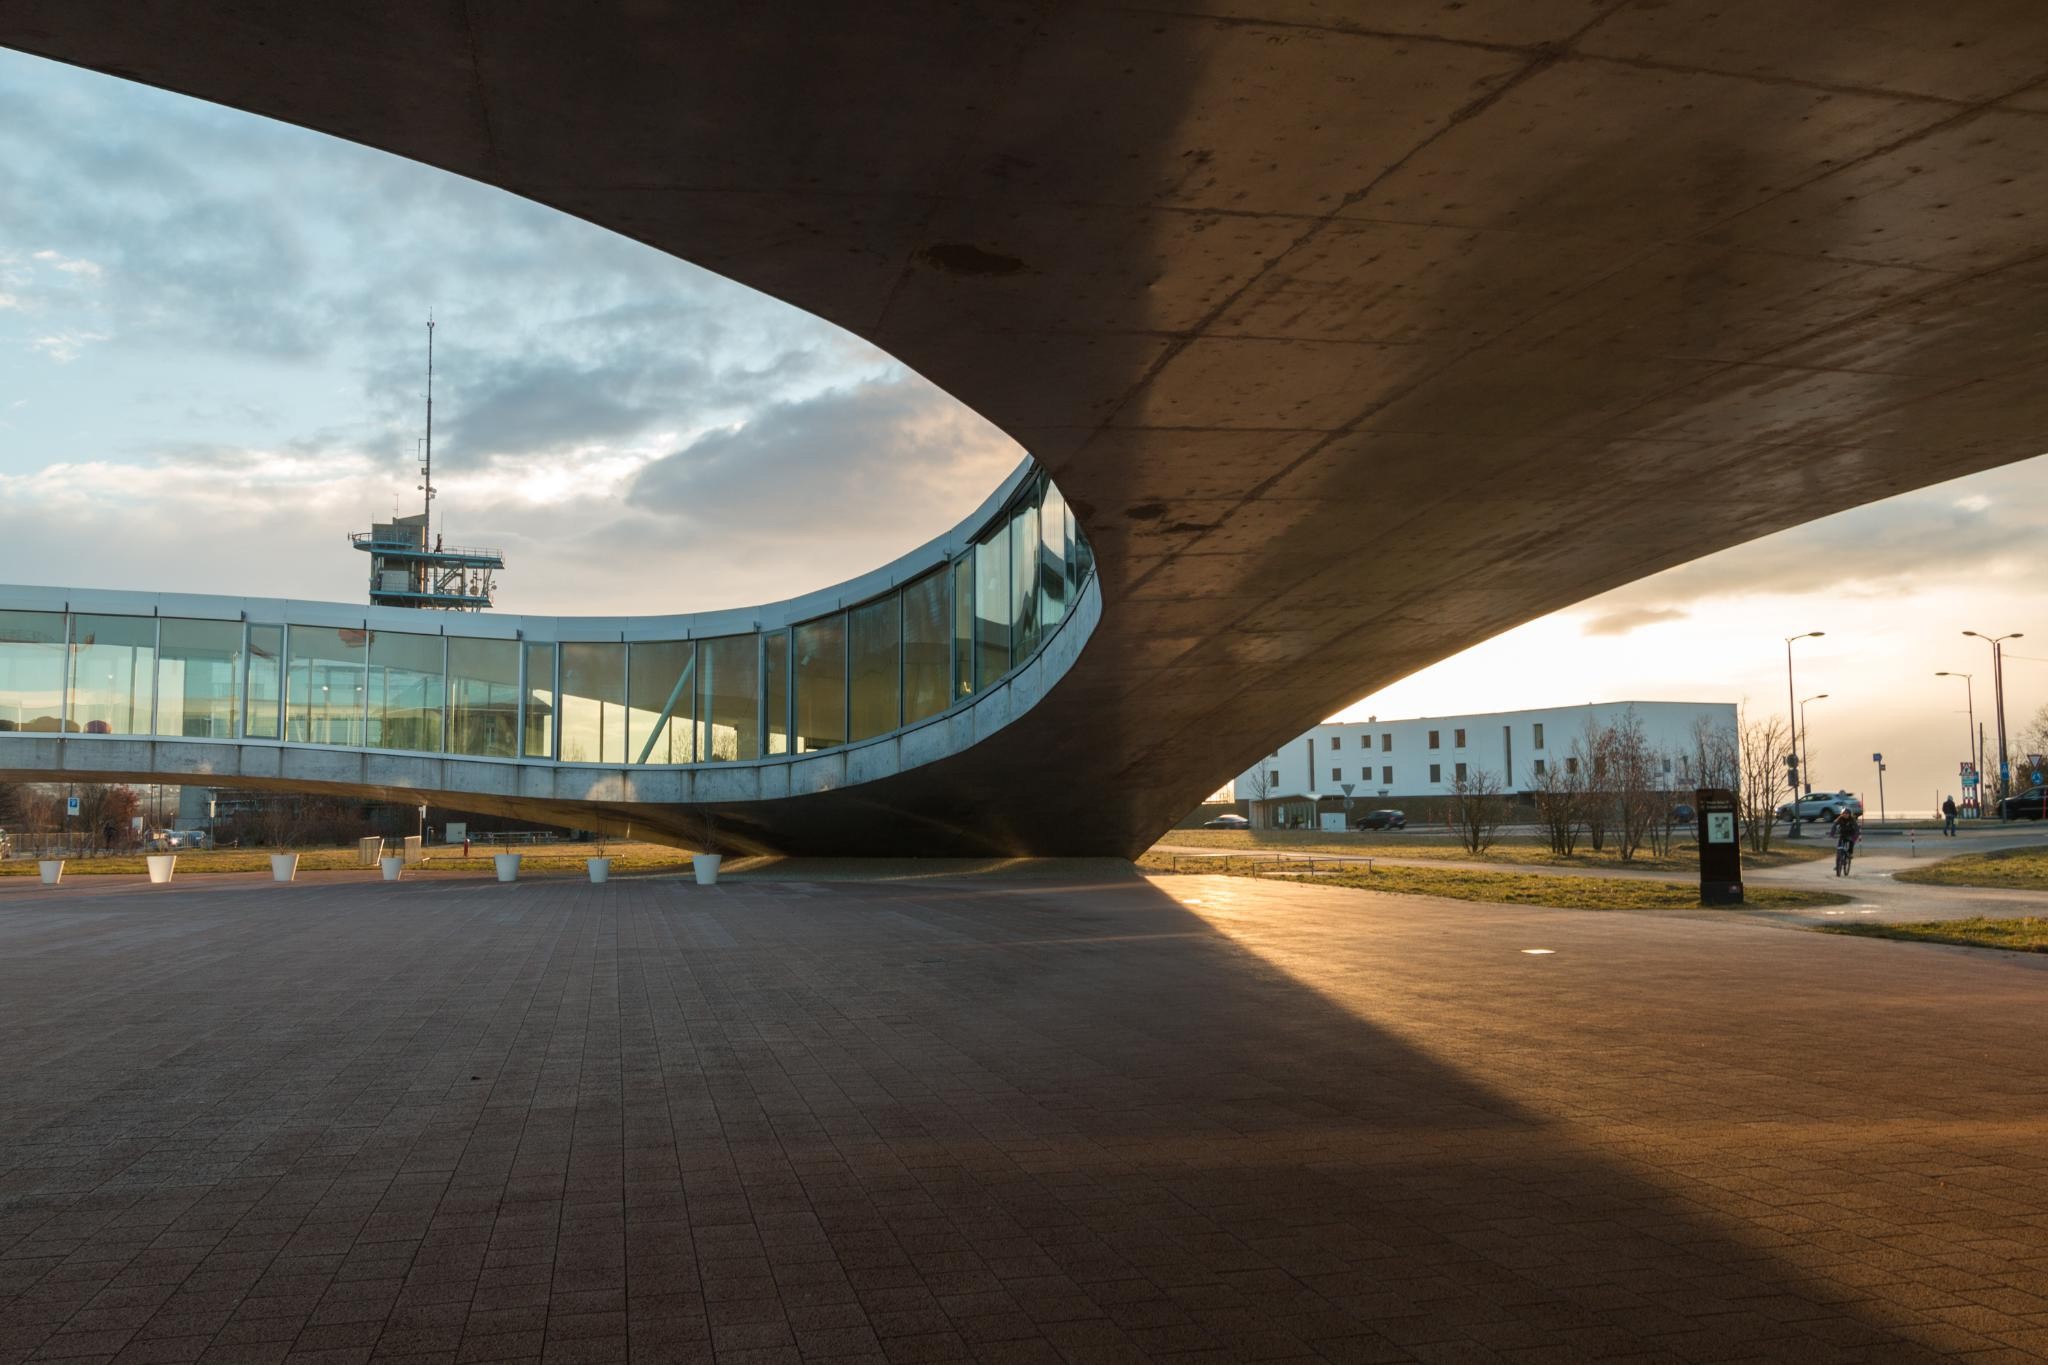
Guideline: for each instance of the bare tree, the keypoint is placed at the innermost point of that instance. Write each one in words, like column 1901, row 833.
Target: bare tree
column 282, row 820
column 1477, row 809
column 1589, row 758
column 1762, row 747
column 1560, row 793
column 1259, row 787
column 1633, row 783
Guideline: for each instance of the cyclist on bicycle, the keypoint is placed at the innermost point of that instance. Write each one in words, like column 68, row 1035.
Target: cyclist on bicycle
column 1848, row 830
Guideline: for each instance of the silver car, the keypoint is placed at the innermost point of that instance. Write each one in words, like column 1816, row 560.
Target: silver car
column 1823, row 806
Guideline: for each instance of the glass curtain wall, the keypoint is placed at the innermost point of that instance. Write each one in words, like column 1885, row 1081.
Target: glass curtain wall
column 1052, row 560
column 266, row 682
column 483, row 697
column 32, row 671
column 1024, row 550
column 408, row 676
column 729, row 699
column 199, row 678
column 113, row 663
column 324, row 672
column 661, row 687
column 593, row 714
column 538, row 722
column 874, row 644
column 927, row 647
column 992, row 606
column 775, row 690
column 962, row 572
column 820, row 669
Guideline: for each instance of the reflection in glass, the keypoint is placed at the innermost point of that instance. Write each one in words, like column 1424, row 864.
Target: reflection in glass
column 927, row 647
column 266, row 681
column 775, row 690
column 820, row 684
column 483, row 697
column 406, row 684
column 874, row 638
column 1080, row 557
column 32, row 671
column 992, row 606
column 113, row 659
column 198, row 677
column 962, row 572
column 1052, row 560
column 729, row 699
column 593, row 703
column 662, row 683
column 1024, row 581
column 539, row 720
column 324, row 685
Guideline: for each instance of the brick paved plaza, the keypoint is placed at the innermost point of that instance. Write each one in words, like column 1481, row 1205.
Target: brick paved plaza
column 1000, row 1120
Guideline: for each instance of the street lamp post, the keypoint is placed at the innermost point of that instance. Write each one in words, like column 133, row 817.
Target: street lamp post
column 1792, row 717
column 1997, row 643
column 1805, row 751
column 1970, row 740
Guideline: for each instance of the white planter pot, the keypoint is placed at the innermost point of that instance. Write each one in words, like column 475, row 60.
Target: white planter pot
column 393, row 865
column 52, row 870
column 284, row 866
column 705, row 865
column 508, row 866
column 161, row 866
column 600, row 868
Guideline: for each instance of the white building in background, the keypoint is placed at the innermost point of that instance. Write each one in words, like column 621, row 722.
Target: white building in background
column 1387, row 761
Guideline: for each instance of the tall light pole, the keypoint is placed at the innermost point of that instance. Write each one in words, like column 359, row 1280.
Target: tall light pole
column 1805, row 753
column 1792, row 718
column 1970, row 740
column 1997, row 643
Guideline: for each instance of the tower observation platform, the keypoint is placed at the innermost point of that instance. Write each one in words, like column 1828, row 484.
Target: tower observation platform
column 405, row 571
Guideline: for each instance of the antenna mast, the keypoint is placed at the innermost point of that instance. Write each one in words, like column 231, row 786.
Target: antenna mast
column 427, row 464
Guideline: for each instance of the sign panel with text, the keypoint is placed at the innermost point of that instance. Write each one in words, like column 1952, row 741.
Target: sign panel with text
column 1720, row 847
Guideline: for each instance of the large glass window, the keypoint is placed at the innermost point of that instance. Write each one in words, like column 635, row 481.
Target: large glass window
column 1024, row 581
column 992, row 606
column 820, row 685
column 927, row 647
column 775, row 690
column 113, row 659
column 407, row 679
column 1079, row 557
column 483, row 697
column 661, row 687
column 198, row 678
column 874, row 636
column 538, row 723
column 1052, row 560
column 32, row 671
column 324, row 685
column 729, row 705
column 266, row 682
column 962, row 572
column 593, row 715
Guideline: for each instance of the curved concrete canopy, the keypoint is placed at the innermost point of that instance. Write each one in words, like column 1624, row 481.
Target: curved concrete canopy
column 1354, row 335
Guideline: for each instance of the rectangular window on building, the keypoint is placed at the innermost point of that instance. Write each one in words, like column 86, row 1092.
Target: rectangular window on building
column 1571, row 765
column 408, row 674
column 874, row 653
column 1052, row 559
column 1538, row 728
column 1461, row 772
column 1436, row 772
column 661, row 701
column 198, row 678
column 992, row 606
column 483, row 697
column 1386, row 743
column 537, row 725
column 775, row 689
column 1458, row 738
column 113, row 670
column 820, row 684
column 266, row 682
column 1336, row 774
column 728, row 699
column 1386, row 777
column 1433, row 740
column 1024, row 552
column 593, row 711
column 324, row 685
column 963, row 625
column 1537, row 767
column 1336, row 741
column 927, row 648
column 1365, row 741
column 1272, row 782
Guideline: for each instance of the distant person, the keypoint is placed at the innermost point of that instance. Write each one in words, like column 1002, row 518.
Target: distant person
column 1848, row 830
column 1948, row 816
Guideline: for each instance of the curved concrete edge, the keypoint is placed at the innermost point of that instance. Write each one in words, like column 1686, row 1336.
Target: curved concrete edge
column 677, row 804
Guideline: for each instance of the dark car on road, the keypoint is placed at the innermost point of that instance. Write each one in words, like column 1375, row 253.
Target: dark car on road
column 1227, row 822
column 2027, row 805
column 1381, row 819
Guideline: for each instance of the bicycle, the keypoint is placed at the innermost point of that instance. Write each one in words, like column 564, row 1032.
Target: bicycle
column 1845, row 853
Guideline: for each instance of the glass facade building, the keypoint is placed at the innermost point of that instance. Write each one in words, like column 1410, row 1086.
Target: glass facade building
column 897, row 658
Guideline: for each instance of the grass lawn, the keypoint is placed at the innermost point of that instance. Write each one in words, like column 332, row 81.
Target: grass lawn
column 2029, row 935
column 2024, row 869
column 1518, row 888
column 440, row 861
column 1524, row 849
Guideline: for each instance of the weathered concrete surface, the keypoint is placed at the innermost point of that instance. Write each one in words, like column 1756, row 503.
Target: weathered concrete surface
column 1354, row 334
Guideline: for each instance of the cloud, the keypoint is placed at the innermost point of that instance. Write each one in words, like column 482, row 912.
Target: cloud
column 64, row 347
column 1629, row 619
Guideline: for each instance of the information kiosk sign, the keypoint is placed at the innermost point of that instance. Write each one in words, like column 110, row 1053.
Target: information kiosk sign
column 1720, row 847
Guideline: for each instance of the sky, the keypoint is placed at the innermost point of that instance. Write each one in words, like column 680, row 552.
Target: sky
column 211, row 369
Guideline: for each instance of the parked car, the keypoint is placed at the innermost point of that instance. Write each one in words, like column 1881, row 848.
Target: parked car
column 1822, row 806
column 1227, row 822
column 1381, row 819
column 1682, row 814
column 2026, row 805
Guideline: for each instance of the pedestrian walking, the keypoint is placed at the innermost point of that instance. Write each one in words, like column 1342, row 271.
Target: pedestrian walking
column 1948, row 816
